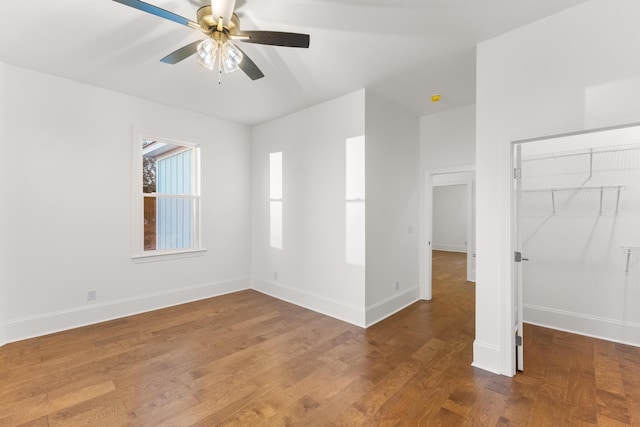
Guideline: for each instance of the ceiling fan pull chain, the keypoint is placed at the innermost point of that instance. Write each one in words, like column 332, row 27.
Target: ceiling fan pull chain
column 220, row 65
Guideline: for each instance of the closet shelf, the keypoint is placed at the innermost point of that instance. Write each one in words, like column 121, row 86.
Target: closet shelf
column 601, row 189
column 586, row 152
column 604, row 188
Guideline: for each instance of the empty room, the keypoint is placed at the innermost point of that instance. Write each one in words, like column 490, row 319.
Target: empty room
column 319, row 212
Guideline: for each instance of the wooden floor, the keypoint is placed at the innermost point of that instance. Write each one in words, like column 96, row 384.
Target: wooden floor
column 247, row 359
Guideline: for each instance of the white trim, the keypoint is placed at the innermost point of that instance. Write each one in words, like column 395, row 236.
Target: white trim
column 358, row 316
column 312, row 301
column 507, row 245
column 56, row 321
column 448, row 248
column 392, row 305
column 583, row 324
column 453, row 169
column 154, row 256
column 137, row 217
column 426, row 225
column 471, row 231
column 486, row 357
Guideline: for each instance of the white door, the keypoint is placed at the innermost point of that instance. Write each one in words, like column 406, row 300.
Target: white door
column 518, row 259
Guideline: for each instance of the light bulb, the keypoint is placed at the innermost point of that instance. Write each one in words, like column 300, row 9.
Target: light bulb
column 207, row 53
column 232, row 57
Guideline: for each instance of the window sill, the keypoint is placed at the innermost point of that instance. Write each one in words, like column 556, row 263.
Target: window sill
column 167, row 255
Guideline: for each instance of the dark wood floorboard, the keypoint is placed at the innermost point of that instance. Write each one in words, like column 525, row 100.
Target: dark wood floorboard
column 246, row 359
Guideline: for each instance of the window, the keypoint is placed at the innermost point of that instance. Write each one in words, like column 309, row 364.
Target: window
column 170, row 197
column 275, row 200
column 355, row 200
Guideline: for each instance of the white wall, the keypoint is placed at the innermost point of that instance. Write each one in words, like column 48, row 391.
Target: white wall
column 571, row 71
column 575, row 279
column 311, row 267
column 448, row 139
column 392, row 181
column 4, row 196
column 70, row 211
column 450, row 218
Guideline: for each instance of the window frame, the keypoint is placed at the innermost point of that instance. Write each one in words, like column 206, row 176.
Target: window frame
column 276, row 242
column 355, row 195
column 139, row 254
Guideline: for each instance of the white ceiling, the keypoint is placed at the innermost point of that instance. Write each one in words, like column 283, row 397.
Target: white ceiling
column 404, row 50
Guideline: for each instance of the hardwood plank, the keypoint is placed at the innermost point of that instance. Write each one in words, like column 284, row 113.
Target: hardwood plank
column 581, row 396
column 104, row 410
column 40, row 422
column 612, row 406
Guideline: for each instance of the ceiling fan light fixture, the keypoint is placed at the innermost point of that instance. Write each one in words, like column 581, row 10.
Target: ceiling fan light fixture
column 214, row 53
column 207, row 51
column 232, row 57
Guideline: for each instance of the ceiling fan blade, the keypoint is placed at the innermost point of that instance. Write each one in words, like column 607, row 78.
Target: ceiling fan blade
column 249, row 67
column 275, row 38
column 157, row 11
column 183, row 53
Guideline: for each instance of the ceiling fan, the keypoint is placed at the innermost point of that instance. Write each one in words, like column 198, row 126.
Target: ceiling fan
column 221, row 25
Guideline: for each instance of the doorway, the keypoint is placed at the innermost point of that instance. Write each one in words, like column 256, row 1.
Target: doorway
column 464, row 178
column 576, row 235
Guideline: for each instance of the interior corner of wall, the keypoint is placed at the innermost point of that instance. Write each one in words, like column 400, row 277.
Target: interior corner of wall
column 389, row 306
column 319, row 303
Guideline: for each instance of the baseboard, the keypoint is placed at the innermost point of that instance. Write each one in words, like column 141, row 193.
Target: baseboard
column 448, row 248
column 486, row 357
column 47, row 323
column 318, row 303
column 390, row 306
column 582, row 324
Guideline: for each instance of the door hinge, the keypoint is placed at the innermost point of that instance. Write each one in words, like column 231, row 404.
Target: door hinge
column 517, row 256
column 517, row 173
column 518, row 340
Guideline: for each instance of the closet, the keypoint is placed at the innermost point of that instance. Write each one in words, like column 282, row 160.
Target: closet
column 579, row 228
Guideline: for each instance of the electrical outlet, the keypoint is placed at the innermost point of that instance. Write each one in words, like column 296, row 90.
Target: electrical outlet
column 275, row 275
column 397, row 286
column 91, row 295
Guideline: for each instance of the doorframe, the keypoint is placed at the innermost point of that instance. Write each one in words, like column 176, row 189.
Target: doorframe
column 508, row 318
column 426, row 225
column 471, row 228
